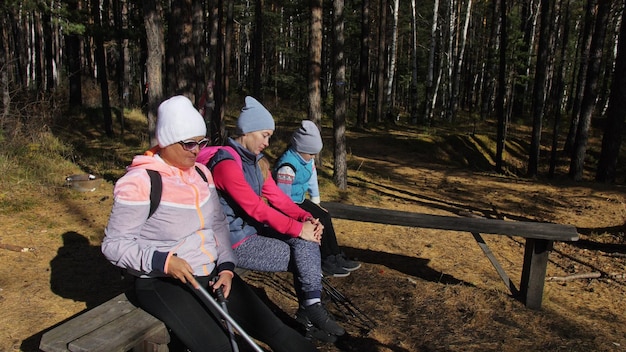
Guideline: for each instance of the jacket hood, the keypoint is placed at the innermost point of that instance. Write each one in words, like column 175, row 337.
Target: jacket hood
column 154, row 162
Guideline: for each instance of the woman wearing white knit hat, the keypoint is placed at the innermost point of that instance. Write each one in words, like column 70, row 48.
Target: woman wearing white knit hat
column 182, row 242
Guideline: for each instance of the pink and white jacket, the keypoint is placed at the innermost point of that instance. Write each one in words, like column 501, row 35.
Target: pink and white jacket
column 189, row 221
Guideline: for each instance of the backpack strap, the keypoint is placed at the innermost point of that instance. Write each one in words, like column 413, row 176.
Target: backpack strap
column 202, row 174
column 156, row 188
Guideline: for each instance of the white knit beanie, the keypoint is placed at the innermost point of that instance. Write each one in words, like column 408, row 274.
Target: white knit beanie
column 178, row 120
column 254, row 117
column 307, row 138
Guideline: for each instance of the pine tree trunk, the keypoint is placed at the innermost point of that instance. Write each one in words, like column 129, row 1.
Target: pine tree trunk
column 612, row 139
column 539, row 89
column 257, row 50
column 391, row 70
column 430, row 75
column 102, row 67
column 500, row 107
column 315, row 62
column 380, row 63
column 72, row 48
column 557, row 88
column 590, row 92
column 414, row 101
column 340, row 177
column 156, row 51
column 364, row 66
column 582, row 75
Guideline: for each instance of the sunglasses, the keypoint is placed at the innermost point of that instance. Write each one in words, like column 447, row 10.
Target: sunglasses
column 191, row 145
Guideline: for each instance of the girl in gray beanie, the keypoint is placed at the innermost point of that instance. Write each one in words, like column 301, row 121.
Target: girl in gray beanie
column 268, row 231
column 296, row 175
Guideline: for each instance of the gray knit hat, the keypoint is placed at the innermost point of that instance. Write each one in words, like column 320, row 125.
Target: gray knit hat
column 307, row 138
column 178, row 120
column 254, row 117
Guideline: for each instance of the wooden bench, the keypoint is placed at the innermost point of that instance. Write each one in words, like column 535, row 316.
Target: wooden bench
column 539, row 238
column 114, row 326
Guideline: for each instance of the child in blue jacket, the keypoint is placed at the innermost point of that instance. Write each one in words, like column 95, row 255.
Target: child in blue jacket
column 296, row 175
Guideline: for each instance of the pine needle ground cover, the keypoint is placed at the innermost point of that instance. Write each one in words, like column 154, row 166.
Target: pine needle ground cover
column 427, row 290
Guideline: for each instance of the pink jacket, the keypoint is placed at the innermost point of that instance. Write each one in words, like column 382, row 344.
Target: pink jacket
column 189, row 221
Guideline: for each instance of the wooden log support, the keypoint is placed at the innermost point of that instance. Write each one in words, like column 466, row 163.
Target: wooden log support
column 534, row 271
column 539, row 239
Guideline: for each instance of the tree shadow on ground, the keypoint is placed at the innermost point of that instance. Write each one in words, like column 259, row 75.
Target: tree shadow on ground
column 416, row 267
column 350, row 342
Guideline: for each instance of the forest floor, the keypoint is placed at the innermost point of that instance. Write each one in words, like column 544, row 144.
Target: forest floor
column 426, row 290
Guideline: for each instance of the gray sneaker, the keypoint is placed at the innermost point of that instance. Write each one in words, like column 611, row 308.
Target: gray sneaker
column 347, row 264
column 320, row 318
column 331, row 267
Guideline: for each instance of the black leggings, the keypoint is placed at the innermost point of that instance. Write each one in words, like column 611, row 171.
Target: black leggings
column 329, row 239
column 196, row 325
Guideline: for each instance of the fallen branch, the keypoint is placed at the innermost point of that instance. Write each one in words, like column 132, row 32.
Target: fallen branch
column 15, row 248
column 616, row 255
column 591, row 275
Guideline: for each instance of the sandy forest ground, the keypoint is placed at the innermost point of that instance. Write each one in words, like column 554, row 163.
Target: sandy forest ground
column 427, row 290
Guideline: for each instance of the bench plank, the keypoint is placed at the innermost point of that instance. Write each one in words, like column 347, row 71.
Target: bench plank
column 113, row 313
column 121, row 334
column 539, row 230
column 56, row 340
column 539, row 238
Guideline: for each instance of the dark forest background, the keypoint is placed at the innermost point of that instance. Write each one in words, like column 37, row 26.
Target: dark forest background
column 556, row 67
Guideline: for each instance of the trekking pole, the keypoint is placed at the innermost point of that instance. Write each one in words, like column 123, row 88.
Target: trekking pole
column 355, row 311
column 206, row 297
column 222, row 301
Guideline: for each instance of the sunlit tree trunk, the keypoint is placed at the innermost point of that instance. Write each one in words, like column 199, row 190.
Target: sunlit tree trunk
column 102, row 66
column 228, row 39
column 557, row 87
column 209, row 95
column 488, row 87
column 217, row 128
column 340, row 177
column 585, row 48
column 154, row 63
column 539, row 88
column 315, row 62
column 430, row 73
column 414, row 66
column 455, row 81
column 48, row 53
column 391, row 69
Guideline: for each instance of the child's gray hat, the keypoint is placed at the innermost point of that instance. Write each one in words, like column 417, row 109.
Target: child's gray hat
column 307, row 138
column 254, row 117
